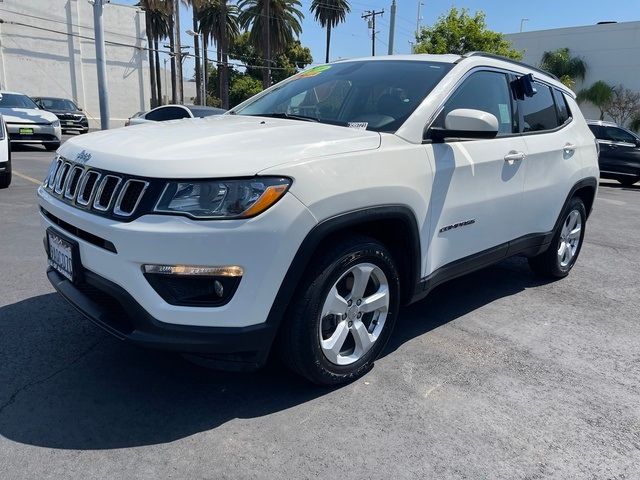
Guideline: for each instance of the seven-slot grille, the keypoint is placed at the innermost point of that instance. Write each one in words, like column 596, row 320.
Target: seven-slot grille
column 93, row 189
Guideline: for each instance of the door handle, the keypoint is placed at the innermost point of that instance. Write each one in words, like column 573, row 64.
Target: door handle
column 570, row 147
column 514, row 156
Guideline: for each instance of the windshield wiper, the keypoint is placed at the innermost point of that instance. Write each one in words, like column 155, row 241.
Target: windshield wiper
column 289, row 116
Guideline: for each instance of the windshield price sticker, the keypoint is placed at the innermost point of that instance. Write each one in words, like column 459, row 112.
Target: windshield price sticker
column 359, row 125
column 312, row 72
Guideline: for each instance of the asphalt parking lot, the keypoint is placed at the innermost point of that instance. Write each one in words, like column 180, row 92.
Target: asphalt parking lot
column 494, row 376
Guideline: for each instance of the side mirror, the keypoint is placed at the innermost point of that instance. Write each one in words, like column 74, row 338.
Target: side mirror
column 466, row 123
column 80, row 109
column 638, row 142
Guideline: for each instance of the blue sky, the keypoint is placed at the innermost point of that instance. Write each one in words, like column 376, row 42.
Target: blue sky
column 352, row 38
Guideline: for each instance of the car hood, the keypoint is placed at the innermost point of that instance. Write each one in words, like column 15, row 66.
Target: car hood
column 27, row 115
column 225, row 145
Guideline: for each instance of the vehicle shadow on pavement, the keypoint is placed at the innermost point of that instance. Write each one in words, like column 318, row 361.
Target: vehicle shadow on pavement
column 65, row 384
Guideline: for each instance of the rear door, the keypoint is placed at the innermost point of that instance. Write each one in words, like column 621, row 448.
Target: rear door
column 477, row 187
column 554, row 143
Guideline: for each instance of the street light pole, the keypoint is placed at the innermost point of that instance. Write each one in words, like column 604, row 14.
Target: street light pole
column 203, row 92
column 101, row 64
column 166, row 84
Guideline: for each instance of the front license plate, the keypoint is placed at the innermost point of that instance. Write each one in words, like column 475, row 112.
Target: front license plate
column 26, row 131
column 61, row 254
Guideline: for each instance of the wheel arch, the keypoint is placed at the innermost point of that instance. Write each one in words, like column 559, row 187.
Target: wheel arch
column 393, row 225
column 585, row 189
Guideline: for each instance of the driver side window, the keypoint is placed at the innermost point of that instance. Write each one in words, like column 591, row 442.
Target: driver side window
column 485, row 91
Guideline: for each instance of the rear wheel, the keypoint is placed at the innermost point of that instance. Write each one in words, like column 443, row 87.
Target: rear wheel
column 343, row 314
column 628, row 181
column 565, row 246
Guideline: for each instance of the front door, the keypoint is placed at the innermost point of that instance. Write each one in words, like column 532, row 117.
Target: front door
column 478, row 184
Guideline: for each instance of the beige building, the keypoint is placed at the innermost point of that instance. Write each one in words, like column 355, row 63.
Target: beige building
column 611, row 52
column 47, row 49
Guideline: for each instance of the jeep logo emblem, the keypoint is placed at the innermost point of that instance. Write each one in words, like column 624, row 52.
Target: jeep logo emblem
column 83, row 157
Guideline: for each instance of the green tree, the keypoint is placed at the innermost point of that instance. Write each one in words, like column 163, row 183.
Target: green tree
column 599, row 94
column 329, row 13
column 459, row 33
column 272, row 25
column 243, row 87
column 219, row 21
column 567, row 68
column 294, row 58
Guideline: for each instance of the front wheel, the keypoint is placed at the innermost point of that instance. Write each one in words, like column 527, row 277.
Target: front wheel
column 50, row 147
column 565, row 246
column 343, row 313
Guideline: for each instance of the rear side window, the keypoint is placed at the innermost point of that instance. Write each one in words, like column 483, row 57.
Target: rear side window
column 539, row 111
column 486, row 91
column 564, row 114
column 615, row 134
column 167, row 113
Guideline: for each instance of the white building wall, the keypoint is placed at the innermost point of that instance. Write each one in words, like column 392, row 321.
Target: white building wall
column 611, row 52
column 47, row 48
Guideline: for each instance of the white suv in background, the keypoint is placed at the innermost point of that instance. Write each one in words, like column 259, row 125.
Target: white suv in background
column 301, row 220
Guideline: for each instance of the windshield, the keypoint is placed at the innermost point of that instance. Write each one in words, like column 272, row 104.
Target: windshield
column 58, row 104
column 376, row 95
column 205, row 112
column 14, row 100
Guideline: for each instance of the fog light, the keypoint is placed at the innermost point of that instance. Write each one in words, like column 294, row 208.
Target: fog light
column 195, row 286
column 194, row 270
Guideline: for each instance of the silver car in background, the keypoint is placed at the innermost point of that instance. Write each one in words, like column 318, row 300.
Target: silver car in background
column 26, row 123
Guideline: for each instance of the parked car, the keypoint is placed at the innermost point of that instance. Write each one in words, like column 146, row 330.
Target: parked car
column 173, row 112
column 72, row 118
column 5, row 156
column 619, row 156
column 27, row 123
column 302, row 219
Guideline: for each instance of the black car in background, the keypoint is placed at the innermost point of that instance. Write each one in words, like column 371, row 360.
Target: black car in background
column 619, row 152
column 70, row 115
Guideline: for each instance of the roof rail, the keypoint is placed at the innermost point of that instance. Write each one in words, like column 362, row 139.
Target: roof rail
column 506, row 59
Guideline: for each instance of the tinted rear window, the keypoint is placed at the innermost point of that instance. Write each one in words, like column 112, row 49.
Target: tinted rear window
column 539, row 111
column 564, row 113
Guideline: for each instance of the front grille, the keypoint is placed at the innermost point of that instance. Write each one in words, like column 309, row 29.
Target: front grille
column 105, row 193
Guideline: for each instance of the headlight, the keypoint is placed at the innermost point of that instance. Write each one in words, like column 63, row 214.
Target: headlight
column 55, row 123
column 218, row 199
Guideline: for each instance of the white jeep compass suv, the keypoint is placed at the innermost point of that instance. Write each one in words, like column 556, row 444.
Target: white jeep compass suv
column 301, row 220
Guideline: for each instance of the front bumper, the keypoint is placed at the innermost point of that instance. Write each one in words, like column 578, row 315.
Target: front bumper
column 73, row 123
column 114, row 310
column 263, row 246
column 41, row 133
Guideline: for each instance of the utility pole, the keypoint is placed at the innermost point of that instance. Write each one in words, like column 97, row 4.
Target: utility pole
column 418, row 20
column 178, row 52
column 370, row 16
column 522, row 22
column 392, row 26
column 268, row 43
column 101, row 63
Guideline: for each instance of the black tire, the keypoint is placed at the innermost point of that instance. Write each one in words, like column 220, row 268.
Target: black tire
column 300, row 336
column 5, row 177
column 549, row 264
column 627, row 181
column 50, row 147
column 83, row 131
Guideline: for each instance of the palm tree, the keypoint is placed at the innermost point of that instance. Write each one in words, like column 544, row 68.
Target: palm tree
column 270, row 37
column 156, row 27
column 600, row 94
column 195, row 6
column 567, row 68
column 219, row 21
column 329, row 13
